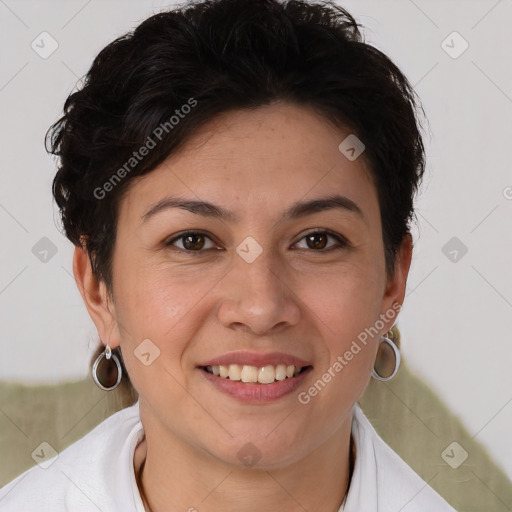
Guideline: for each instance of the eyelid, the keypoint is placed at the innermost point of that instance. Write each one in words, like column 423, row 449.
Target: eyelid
column 170, row 241
column 342, row 241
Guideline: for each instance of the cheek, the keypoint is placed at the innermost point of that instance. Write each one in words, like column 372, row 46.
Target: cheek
column 348, row 305
column 347, row 310
column 349, row 299
column 162, row 303
column 153, row 304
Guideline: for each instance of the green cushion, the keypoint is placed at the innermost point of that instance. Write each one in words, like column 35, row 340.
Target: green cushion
column 419, row 427
column 59, row 414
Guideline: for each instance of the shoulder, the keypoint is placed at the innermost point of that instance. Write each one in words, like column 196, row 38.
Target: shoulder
column 382, row 480
column 81, row 477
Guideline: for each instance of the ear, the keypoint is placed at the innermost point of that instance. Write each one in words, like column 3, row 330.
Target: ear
column 96, row 298
column 395, row 287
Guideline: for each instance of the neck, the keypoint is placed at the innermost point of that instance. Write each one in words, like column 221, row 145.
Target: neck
column 305, row 485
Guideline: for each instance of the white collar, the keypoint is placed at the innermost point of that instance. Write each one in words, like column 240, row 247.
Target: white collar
column 381, row 480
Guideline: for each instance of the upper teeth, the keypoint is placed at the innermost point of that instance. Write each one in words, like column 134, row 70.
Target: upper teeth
column 261, row 374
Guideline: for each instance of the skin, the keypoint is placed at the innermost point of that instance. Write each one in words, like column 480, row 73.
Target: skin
column 293, row 298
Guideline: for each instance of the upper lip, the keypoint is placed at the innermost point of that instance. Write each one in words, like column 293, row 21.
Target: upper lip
column 255, row 359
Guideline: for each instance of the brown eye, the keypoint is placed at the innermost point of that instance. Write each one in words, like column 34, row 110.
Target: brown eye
column 191, row 241
column 317, row 241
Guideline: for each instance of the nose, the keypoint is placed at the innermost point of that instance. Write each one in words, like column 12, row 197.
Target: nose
column 258, row 297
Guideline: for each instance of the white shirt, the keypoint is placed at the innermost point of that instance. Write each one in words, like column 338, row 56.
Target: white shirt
column 96, row 473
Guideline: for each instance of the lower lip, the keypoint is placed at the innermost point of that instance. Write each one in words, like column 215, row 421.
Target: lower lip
column 256, row 393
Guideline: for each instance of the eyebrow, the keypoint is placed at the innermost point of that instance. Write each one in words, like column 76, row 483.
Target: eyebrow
column 297, row 210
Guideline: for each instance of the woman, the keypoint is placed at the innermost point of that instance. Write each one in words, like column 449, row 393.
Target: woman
column 238, row 178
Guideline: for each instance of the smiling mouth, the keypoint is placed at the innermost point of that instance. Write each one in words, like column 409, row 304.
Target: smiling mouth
column 255, row 374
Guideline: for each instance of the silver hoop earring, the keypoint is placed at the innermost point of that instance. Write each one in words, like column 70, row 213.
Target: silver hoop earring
column 107, row 375
column 398, row 359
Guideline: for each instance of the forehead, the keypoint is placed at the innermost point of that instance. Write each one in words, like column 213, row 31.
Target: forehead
column 257, row 161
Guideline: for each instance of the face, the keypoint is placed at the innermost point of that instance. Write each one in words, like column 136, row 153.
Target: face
column 265, row 285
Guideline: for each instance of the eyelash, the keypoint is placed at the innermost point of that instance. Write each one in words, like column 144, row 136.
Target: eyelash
column 342, row 241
